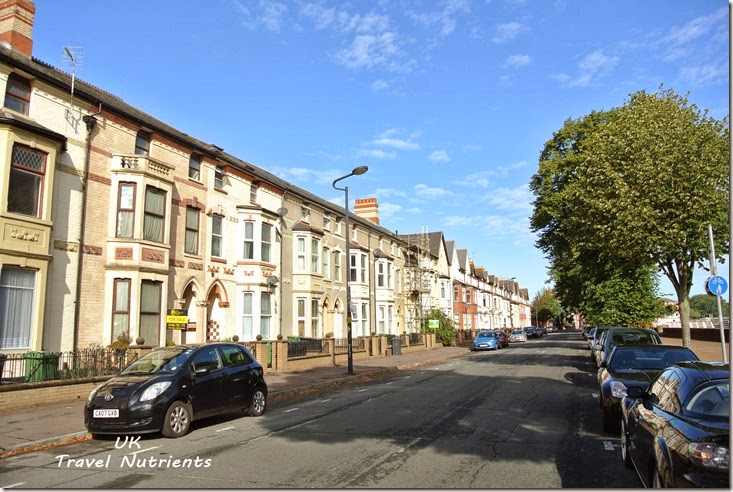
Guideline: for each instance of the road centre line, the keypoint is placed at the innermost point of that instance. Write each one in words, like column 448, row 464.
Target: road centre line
column 225, row 429
column 143, row 450
column 291, row 410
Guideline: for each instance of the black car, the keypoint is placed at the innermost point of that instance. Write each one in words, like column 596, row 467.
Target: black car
column 633, row 365
column 168, row 388
column 621, row 335
column 677, row 432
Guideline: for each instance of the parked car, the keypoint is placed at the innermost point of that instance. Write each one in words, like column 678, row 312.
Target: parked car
column 543, row 330
column 595, row 341
column 486, row 340
column 531, row 332
column 619, row 335
column 168, row 388
column 632, row 365
column 676, row 433
column 589, row 335
column 518, row 336
column 503, row 339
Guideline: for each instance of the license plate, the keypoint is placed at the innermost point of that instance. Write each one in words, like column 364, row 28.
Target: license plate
column 483, row 345
column 106, row 413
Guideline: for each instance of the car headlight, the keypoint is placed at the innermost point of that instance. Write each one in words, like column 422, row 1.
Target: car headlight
column 154, row 390
column 618, row 389
column 93, row 393
column 709, row 455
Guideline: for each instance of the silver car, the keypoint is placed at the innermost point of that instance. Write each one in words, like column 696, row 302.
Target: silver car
column 518, row 336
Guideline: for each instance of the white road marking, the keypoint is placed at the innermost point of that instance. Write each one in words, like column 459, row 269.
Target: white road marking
column 292, row 410
column 362, row 390
column 386, row 384
column 143, row 450
column 608, row 446
column 14, row 485
column 225, row 428
column 594, row 395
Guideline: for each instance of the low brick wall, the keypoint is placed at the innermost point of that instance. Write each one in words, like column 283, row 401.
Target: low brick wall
column 703, row 334
column 36, row 394
column 13, row 397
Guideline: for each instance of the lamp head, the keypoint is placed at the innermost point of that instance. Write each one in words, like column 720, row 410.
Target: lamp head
column 359, row 170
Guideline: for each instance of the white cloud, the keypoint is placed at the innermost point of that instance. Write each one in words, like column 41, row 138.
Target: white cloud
column 376, row 154
column 268, row 15
column 388, row 210
column 439, row 156
column 389, row 139
column 590, row 68
column 507, row 32
column 425, row 191
column 698, row 27
column 705, row 73
column 389, row 192
column 517, row 61
column 368, row 50
column 379, row 85
column 445, row 19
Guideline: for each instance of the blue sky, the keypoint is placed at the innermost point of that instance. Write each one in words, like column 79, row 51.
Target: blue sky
column 448, row 103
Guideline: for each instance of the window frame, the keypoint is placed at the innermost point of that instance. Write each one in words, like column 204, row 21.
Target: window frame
column 117, row 311
column 15, row 81
column 124, row 210
column 249, row 240
column 266, row 242
column 217, row 235
column 194, row 167
column 154, row 215
column 142, row 143
column 19, row 171
column 193, row 231
column 151, row 314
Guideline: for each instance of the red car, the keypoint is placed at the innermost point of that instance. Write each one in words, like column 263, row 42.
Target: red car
column 503, row 339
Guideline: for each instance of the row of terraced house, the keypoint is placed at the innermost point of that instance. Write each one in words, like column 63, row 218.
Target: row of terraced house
column 114, row 223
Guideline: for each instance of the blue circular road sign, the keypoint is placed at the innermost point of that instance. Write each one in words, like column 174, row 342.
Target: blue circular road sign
column 716, row 285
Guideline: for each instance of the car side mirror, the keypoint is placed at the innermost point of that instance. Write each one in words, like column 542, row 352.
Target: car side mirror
column 604, row 364
column 201, row 371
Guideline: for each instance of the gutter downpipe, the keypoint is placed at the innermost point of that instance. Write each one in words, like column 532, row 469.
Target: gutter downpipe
column 283, row 226
column 90, row 121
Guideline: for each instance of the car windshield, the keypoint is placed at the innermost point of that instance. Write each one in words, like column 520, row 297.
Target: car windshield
column 637, row 358
column 486, row 334
column 517, row 332
column 711, row 401
column 167, row 360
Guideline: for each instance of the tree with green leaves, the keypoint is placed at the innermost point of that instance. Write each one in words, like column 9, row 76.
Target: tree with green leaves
column 545, row 307
column 445, row 330
column 706, row 306
column 635, row 186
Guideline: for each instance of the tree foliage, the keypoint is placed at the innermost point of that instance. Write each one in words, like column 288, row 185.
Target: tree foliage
column 706, row 306
column 445, row 331
column 545, row 306
column 621, row 194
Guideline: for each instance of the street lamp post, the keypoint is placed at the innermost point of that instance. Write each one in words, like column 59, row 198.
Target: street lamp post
column 349, row 341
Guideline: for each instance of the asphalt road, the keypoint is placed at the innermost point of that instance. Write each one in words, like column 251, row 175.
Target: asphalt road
column 522, row 417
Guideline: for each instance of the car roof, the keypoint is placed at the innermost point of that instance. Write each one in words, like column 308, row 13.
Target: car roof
column 705, row 371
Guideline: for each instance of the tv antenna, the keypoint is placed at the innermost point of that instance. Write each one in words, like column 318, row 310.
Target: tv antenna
column 74, row 56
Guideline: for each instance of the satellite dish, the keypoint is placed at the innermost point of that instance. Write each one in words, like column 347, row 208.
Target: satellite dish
column 282, row 212
column 272, row 280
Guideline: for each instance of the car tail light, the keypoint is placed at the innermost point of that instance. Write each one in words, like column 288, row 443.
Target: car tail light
column 709, row 455
column 618, row 389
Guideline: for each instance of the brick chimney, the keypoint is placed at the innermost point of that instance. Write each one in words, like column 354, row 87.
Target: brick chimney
column 16, row 24
column 367, row 208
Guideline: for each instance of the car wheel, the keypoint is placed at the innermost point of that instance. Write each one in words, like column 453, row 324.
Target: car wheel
column 257, row 403
column 177, row 420
column 625, row 446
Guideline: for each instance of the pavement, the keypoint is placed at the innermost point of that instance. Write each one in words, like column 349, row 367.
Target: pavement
column 35, row 428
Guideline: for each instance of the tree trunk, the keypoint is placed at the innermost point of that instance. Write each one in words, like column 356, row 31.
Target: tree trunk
column 683, row 297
